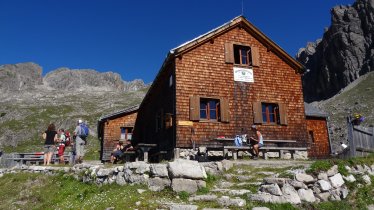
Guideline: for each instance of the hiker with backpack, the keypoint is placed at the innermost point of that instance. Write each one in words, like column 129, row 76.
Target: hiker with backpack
column 80, row 135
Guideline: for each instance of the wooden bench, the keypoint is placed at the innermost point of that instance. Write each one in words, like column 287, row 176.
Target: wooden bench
column 281, row 150
column 235, row 150
column 264, row 149
column 37, row 158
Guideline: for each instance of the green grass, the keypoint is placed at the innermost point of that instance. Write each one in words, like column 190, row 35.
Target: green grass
column 36, row 191
column 324, row 165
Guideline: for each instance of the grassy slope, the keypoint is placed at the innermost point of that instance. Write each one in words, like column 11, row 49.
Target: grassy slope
column 34, row 118
column 358, row 98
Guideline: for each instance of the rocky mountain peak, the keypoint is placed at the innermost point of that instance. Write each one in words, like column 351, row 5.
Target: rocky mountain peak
column 83, row 79
column 343, row 54
column 28, row 77
column 18, row 77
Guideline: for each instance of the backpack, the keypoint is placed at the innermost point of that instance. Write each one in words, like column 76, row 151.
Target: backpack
column 67, row 138
column 238, row 141
column 84, row 131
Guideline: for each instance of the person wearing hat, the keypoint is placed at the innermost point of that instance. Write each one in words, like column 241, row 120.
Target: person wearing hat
column 257, row 142
column 79, row 142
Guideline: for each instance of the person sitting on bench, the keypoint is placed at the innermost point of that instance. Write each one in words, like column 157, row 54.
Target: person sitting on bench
column 257, row 142
column 117, row 152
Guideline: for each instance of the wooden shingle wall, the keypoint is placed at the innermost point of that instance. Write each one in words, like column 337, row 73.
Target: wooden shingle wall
column 112, row 129
column 203, row 71
column 319, row 139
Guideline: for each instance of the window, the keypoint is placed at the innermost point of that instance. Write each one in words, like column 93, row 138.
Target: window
column 270, row 113
column 126, row 133
column 242, row 55
column 209, row 109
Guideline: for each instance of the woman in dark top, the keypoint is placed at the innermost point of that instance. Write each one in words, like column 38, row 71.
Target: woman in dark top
column 49, row 144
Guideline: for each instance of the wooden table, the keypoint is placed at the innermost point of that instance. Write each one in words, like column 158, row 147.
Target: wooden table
column 145, row 149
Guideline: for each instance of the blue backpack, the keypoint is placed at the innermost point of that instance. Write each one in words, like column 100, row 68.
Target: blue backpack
column 238, row 141
column 84, row 131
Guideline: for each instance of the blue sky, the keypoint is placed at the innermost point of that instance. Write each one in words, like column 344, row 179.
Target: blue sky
column 133, row 37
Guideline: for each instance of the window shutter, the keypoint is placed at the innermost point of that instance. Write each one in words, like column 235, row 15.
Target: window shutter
column 257, row 112
column 282, row 113
column 229, row 53
column 225, row 110
column 255, row 56
column 195, row 108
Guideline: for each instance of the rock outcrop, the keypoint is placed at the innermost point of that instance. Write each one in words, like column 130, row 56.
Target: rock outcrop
column 344, row 53
column 83, row 79
column 18, row 77
column 28, row 77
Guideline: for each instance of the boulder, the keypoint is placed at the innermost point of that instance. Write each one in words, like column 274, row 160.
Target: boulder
column 159, row 170
column 349, row 178
column 158, row 184
column 182, row 207
column 234, row 202
column 200, row 184
column 344, row 192
column 203, row 198
column 306, row 178
column 239, row 192
column 267, row 198
column 332, row 171
column 120, row 178
column 297, row 184
column 186, row 169
column 366, row 179
column 324, row 185
column 300, row 155
column 278, row 181
column 323, row 196
column 187, row 185
column 212, row 168
column 323, row 176
column 336, row 180
column 226, row 164
column 140, row 167
column 290, row 194
column 306, row 195
column 104, row 172
column 272, row 189
column 335, row 195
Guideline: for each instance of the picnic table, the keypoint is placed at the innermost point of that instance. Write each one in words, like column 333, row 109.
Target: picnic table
column 145, row 149
column 278, row 145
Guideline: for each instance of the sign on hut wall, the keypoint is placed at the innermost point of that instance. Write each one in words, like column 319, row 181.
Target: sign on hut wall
column 243, row 74
column 185, row 123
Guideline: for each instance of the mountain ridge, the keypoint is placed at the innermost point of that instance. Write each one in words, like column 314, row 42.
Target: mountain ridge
column 343, row 54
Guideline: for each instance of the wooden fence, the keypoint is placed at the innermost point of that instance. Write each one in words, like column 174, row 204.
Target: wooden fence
column 361, row 140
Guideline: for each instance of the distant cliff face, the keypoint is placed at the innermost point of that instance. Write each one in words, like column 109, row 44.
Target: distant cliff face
column 22, row 76
column 81, row 79
column 345, row 52
column 28, row 76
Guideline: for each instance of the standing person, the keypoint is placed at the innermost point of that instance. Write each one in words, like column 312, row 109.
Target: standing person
column 79, row 142
column 257, row 142
column 49, row 144
column 61, row 145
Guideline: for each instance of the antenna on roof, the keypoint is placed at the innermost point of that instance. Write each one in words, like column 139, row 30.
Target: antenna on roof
column 242, row 7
